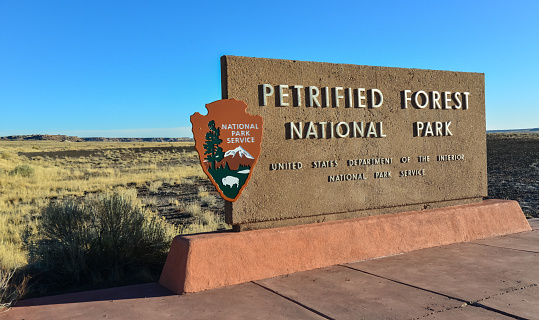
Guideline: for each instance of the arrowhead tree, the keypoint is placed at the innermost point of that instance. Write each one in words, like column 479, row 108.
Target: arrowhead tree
column 211, row 146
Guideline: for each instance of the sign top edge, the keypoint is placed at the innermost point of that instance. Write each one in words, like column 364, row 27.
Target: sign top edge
column 226, row 57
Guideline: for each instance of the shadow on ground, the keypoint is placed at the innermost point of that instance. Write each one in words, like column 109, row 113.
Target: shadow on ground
column 148, row 290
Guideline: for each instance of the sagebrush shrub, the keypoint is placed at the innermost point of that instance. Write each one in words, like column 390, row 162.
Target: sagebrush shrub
column 108, row 238
column 64, row 246
column 23, row 170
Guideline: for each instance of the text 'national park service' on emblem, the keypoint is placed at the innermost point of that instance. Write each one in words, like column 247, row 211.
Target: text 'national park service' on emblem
column 228, row 143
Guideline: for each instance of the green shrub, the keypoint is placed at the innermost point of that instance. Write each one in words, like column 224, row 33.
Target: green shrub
column 105, row 240
column 23, row 170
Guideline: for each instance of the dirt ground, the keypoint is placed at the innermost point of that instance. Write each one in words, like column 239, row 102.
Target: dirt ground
column 165, row 200
column 513, row 169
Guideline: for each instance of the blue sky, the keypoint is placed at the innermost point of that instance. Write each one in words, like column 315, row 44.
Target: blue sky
column 141, row 68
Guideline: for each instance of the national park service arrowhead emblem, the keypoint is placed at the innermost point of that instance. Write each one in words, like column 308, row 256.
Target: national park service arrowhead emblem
column 228, row 143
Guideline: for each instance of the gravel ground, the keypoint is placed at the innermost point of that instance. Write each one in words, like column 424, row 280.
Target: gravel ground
column 513, row 169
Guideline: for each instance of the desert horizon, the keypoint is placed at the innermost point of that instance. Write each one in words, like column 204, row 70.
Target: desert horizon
column 73, row 138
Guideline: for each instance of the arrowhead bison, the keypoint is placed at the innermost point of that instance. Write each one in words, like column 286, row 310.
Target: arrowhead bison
column 230, row 181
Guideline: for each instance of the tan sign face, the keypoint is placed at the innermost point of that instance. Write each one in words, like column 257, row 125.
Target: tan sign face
column 228, row 143
column 345, row 141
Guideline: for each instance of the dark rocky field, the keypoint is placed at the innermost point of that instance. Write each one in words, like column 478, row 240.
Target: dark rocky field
column 513, row 169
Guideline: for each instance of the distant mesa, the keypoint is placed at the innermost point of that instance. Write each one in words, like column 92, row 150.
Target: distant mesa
column 532, row 130
column 65, row 138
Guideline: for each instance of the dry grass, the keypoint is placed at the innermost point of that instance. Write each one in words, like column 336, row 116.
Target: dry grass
column 26, row 181
column 205, row 221
column 155, row 185
column 49, row 146
column 28, row 184
column 12, row 287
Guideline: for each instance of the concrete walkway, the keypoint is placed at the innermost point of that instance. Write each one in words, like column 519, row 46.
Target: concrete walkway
column 495, row 278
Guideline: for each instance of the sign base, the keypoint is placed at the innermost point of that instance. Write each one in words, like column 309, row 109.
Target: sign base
column 206, row 261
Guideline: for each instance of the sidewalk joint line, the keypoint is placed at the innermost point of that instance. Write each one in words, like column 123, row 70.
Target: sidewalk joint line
column 471, row 303
column 489, row 245
column 509, row 291
column 507, row 314
column 294, row 301
column 407, row 284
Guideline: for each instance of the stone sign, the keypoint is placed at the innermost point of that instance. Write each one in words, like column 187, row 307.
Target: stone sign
column 344, row 141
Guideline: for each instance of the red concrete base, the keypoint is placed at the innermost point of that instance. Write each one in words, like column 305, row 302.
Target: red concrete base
column 206, row 261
